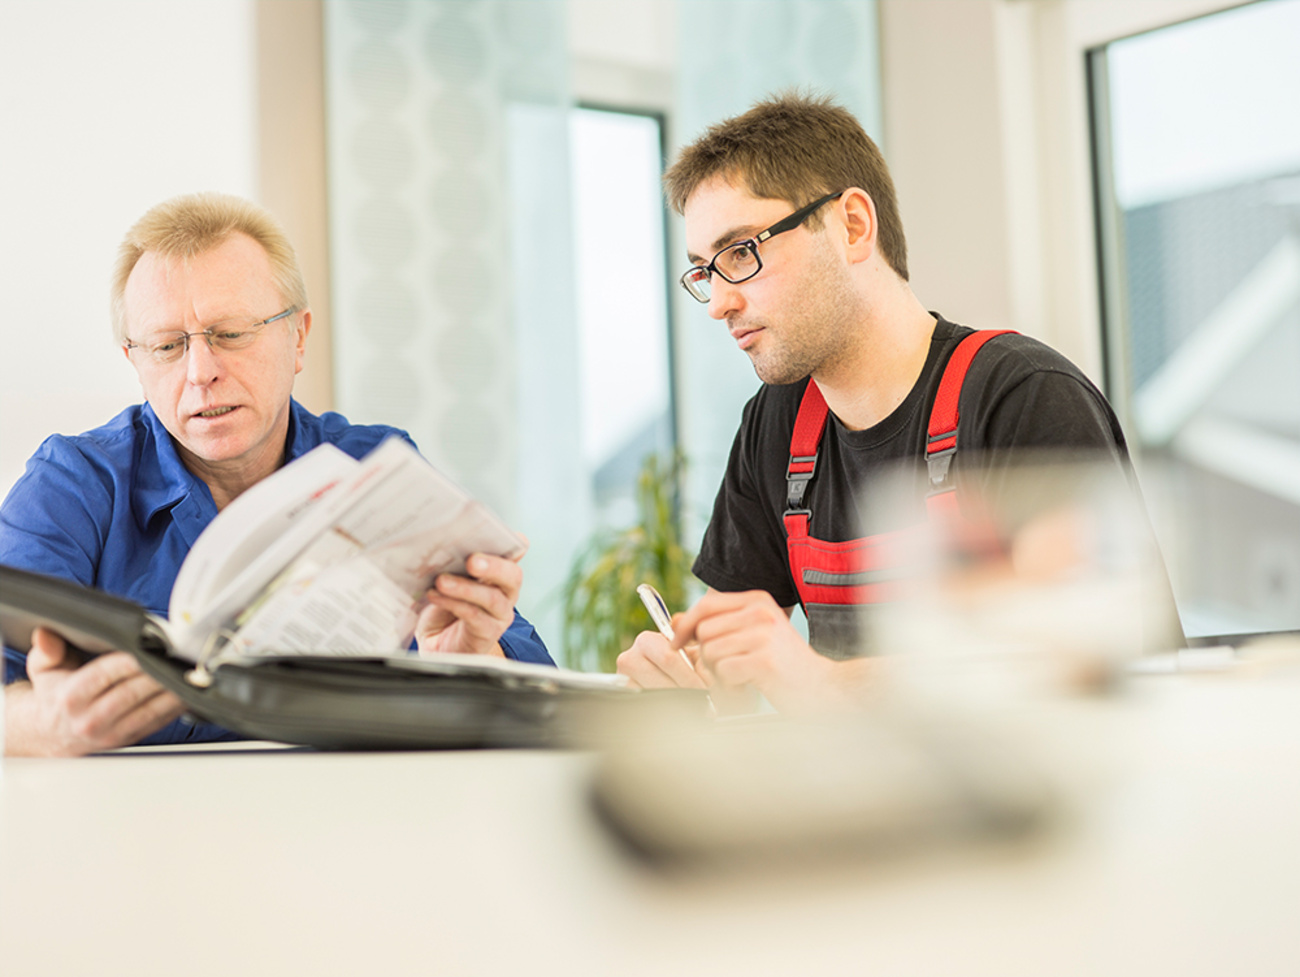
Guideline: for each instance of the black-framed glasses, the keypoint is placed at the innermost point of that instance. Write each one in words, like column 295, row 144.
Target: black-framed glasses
column 230, row 334
column 740, row 262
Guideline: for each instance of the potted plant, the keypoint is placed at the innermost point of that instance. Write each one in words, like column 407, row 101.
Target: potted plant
column 602, row 612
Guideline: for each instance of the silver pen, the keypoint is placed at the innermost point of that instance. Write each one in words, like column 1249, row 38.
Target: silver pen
column 662, row 618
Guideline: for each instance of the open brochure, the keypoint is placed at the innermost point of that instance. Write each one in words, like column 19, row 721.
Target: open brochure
column 329, row 555
column 372, row 699
column 95, row 622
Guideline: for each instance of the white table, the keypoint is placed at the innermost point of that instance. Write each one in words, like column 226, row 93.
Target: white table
column 267, row 861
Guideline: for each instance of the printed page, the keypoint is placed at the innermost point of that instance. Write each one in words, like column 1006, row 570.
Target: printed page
column 250, row 526
column 445, row 663
column 194, row 624
column 344, row 608
column 350, row 571
column 418, row 524
column 359, row 587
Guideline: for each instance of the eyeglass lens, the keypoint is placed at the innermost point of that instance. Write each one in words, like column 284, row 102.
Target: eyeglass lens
column 736, row 264
column 740, row 262
column 223, row 336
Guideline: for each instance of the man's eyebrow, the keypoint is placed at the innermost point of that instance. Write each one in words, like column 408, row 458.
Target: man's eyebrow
column 723, row 240
column 167, row 328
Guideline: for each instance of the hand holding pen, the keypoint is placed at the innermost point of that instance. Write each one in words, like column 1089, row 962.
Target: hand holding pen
column 652, row 662
column 663, row 619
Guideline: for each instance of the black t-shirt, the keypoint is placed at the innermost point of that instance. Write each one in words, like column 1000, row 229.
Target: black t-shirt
column 1018, row 394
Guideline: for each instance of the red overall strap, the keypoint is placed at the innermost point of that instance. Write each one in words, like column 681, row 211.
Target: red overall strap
column 941, row 440
column 809, row 424
column 854, row 567
column 859, row 571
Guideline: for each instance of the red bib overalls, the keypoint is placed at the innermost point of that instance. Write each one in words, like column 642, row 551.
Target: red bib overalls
column 832, row 578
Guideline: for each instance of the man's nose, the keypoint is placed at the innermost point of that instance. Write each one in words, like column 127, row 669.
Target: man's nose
column 724, row 298
column 202, row 365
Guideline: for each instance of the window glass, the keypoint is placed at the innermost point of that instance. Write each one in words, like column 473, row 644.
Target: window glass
column 618, row 240
column 1198, row 165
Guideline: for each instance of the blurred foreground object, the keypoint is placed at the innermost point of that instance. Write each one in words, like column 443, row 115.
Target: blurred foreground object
column 1019, row 598
column 782, row 792
column 1042, row 578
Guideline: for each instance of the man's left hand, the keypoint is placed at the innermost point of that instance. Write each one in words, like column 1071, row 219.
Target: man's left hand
column 747, row 639
column 469, row 614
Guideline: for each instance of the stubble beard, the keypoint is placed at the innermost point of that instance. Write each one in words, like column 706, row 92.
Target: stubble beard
column 817, row 330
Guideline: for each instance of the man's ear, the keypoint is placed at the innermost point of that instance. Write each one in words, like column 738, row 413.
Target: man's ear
column 300, row 349
column 859, row 215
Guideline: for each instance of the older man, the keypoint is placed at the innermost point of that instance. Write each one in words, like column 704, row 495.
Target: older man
column 209, row 307
column 796, row 244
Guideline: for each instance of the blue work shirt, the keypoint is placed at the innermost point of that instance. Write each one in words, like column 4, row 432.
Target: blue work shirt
column 115, row 508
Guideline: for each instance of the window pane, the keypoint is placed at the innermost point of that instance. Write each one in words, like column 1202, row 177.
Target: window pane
column 1199, row 151
column 622, row 305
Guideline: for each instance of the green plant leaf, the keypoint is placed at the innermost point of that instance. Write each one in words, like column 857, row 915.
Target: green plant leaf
column 601, row 610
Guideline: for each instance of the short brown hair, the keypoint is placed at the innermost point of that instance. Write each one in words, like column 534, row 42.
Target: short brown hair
column 194, row 224
column 794, row 147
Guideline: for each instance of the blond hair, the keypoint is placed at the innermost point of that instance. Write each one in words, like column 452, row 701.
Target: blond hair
column 794, row 147
column 194, row 224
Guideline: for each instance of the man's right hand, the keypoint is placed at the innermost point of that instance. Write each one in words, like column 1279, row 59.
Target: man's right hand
column 652, row 663
column 70, row 709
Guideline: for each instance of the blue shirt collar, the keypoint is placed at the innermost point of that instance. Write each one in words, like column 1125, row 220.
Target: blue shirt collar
column 302, row 437
column 162, row 481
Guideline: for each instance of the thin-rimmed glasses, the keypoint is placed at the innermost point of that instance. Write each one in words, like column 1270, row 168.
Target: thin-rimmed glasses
column 230, row 334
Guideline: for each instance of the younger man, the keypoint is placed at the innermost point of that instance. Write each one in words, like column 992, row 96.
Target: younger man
column 794, row 235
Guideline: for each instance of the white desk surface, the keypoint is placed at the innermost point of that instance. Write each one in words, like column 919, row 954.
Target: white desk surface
column 265, row 861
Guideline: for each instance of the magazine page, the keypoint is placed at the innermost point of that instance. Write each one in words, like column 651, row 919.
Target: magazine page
column 332, row 601
column 359, row 585
column 194, row 624
column 251, row 524
column 448, row 663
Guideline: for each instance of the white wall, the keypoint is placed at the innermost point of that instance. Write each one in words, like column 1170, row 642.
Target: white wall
column 105, row 109
column 636, row 34
column 624, row 54
column 986, row 132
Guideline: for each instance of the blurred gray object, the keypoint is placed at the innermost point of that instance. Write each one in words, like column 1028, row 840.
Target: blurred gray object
column 778, row 791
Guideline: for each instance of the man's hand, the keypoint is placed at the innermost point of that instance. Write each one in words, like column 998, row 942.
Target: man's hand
column 469, row 614
column 652, row 663
column 746, row 639
column 68, row 710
